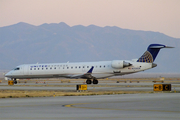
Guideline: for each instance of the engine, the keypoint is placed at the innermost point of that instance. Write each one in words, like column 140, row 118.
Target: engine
column 118, row 64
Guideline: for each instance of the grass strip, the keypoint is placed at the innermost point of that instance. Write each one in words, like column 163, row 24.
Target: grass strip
column 54, row 93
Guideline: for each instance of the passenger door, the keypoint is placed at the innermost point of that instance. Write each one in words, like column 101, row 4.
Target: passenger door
column 26, row 69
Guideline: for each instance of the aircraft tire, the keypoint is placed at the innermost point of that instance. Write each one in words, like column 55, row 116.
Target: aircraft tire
column 88, row 81
column 15, row 81
column 95, row 81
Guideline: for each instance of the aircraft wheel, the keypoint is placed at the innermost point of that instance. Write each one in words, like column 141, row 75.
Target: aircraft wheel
column 15, row 81
column 95, row 81
column 88, row 81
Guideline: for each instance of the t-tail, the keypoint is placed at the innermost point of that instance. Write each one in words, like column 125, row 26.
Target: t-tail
column 152, row 51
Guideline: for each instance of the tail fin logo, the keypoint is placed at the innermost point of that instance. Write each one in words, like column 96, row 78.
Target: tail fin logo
column 152, row 51
column 146, row 57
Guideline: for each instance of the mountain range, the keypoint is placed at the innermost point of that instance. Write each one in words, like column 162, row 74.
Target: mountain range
column 23, row 43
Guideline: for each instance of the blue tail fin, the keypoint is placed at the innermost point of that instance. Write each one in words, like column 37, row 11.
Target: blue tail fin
column 152, row 51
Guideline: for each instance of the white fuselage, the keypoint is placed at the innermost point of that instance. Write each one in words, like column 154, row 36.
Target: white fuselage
column 101, row 69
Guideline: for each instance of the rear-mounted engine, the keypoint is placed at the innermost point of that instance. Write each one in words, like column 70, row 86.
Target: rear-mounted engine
column 118, row 64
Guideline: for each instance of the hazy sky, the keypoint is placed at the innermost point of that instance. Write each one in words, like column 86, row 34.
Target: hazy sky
column 150, row 15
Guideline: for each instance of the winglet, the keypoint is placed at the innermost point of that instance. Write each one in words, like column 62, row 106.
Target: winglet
column 90, row 71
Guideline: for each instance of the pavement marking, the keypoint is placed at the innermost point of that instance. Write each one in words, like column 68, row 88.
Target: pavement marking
column 29, row 105
column 75, row 105
column 83, row 118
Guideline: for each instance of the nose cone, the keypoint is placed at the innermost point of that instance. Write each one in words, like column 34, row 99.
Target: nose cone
column 154, row 65
column 8, row 74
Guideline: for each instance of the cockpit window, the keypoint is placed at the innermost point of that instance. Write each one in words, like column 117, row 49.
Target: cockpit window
column 17, row 68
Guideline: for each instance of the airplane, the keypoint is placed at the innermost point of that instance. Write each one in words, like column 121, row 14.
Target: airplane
column 87, row 70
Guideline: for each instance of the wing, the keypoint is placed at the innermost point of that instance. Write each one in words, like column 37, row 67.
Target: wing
column 84, row 76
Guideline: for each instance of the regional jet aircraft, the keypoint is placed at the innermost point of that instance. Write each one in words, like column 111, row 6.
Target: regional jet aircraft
column 87, row 70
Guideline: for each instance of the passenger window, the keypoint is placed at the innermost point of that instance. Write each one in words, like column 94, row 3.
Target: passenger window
column 100, row 66
column 55, row 68
column 34, row 68
column 79, row 67
column 104, row 66
column 87, row 66
column 30, row 68
column 71, row 67
column 46, row 68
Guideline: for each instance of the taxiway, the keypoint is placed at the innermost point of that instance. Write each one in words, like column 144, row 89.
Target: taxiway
column 158, row 106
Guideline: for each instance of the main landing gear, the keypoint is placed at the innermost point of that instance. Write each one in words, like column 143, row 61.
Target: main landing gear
column 95, row 81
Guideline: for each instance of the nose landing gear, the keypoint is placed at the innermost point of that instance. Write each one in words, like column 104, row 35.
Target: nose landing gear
column 15, row 81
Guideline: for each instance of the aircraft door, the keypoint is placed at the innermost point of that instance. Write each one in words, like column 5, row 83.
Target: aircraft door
column 26, row 69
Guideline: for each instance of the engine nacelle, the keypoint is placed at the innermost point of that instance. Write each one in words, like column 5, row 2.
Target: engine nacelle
column 118, row 64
